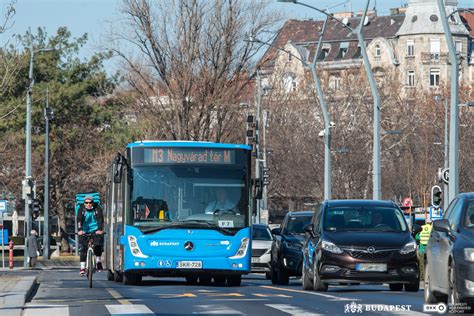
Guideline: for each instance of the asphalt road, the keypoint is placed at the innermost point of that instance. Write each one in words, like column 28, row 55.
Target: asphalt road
column 64, row 292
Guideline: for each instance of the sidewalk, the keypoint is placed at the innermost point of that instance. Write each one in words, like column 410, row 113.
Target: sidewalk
column 18, row 284
column 15, row 288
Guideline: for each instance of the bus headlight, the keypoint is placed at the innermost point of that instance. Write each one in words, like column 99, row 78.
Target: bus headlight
column 244, row 245
column 132, row 242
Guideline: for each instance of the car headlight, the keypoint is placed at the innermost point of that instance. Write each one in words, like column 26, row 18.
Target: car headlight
column 408, row 248
column 331, row 247
column 469, row 254
column 294, row 246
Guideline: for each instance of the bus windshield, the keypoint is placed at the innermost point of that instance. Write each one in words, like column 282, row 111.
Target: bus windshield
column 167, row 196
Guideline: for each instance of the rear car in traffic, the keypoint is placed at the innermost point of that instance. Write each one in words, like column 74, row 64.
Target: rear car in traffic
column 360, row 241
column 261, row 247
column 449, row 256
column 286, row 255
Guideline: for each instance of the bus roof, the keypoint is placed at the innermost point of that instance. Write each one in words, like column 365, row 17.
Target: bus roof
column 155, row 143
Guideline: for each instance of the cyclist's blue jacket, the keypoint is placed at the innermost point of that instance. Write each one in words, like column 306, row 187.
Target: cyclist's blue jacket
column 90, row 221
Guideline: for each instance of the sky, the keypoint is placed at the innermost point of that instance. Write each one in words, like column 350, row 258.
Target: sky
column 93, row 16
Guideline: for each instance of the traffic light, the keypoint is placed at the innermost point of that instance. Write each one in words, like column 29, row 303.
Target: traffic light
column 436, row 198
column 36, row 209
column 251, row 136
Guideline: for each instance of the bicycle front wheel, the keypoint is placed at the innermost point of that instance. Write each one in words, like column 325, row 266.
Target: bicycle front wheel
column 90, row 267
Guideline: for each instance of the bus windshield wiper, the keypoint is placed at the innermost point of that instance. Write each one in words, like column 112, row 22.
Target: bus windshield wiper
column 190, row 224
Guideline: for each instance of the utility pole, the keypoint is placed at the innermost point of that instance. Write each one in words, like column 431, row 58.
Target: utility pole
column 28, row 199
column 257, row 143
column 48, row 115
column 454, row 111
column 265, row 166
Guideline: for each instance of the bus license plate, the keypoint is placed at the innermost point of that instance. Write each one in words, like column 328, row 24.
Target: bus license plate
column 189, row 265
column 371, row 267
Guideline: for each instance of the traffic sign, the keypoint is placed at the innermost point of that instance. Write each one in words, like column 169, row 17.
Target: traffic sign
column 407, row 202
column 445, row 175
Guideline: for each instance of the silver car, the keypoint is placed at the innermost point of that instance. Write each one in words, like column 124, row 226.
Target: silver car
column 261, row 248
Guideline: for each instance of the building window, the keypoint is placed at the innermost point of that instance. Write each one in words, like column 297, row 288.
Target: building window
column 410, row 48
column 343, row 47
column 434, row 77
column 435, row 48
column 335, row 83
column 378, row 51
column 458, row 45
column 410, row 82
column 289, row 82
column 323, row 54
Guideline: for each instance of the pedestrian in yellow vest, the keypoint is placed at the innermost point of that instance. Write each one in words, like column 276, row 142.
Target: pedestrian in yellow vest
column 425, row 235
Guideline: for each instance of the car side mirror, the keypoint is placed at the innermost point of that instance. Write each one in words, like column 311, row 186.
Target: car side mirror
column 309, row 229
column 276, row 231
column 416, row 229
column 442, row 225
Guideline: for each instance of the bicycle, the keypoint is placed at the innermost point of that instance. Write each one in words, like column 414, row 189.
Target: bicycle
column 90, row 259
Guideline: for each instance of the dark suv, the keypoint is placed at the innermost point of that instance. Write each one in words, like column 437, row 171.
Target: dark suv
column 360, row 241
column 286, row 255
column 449, row 257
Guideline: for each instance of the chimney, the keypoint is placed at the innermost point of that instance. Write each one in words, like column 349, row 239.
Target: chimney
column 342, row 15
column 369, row 13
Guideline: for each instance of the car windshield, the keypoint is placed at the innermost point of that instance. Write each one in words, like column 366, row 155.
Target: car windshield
column 296, row 224
column 169, row 196
column 347, row 218
column 261, row 233
column 469, row 217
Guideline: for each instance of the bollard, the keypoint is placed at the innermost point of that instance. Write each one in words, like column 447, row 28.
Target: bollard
column 11, row 244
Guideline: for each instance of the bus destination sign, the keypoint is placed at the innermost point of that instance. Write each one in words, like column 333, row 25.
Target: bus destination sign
column 189, row 156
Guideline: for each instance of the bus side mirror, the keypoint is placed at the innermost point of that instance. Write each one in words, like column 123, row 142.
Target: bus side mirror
column 118, row 168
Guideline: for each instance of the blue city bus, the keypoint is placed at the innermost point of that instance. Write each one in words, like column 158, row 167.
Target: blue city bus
column 180, row 209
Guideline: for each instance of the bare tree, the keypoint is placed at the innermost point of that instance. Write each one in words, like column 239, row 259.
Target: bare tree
column 189, row 63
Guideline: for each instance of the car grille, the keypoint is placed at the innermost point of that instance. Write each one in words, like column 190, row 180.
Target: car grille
column 258, row 252
column 365, row 255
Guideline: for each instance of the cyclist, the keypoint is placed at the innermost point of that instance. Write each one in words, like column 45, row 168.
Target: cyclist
column 90, row 219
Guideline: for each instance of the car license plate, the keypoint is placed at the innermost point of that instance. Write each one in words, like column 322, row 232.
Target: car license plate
column 255, row 260
column 189, row 264
column 371, row 267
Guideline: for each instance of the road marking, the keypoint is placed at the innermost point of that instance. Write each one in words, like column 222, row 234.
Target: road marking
column 292, row 310
column 176, row 295
column 216, row 310
column 225, row 294
column 332, row 297
column 118, row 297
column 273, row 295
column 129, row 310
column 239, row 299
column 45, row 309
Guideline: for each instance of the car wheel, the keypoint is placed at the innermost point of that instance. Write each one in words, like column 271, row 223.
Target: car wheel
column 283, row 277
column 413, row 286
column 396, row 287
column 318, row 285
column 273, row 272
column 453, row 297
column 305, row 280
column 205, row 280
column 429, row 296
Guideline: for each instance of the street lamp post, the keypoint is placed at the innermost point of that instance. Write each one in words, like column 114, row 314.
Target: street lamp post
column 454, row 119
column 373, row 87
column 29, row 94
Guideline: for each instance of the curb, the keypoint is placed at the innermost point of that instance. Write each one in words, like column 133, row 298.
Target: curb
column 18, row 296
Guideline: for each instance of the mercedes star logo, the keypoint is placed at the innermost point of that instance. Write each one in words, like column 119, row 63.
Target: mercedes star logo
column 188, row 246
column 371, row 249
